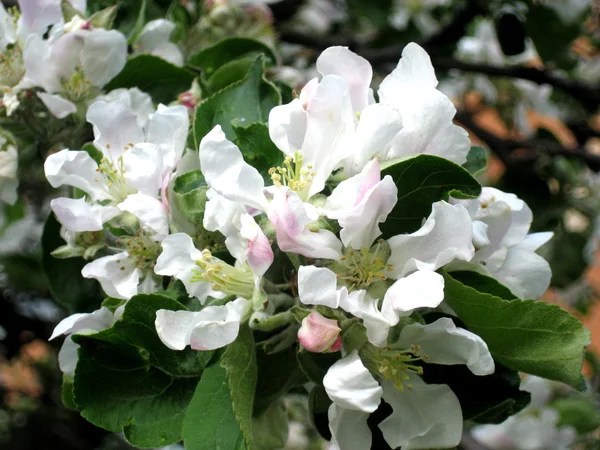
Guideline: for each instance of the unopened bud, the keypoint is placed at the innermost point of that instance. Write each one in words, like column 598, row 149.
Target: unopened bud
column 319, row 334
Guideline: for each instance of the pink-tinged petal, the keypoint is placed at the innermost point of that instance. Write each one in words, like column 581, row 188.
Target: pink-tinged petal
column 117, row 275
column 225, row 171
column 259, row 254
column 151, row 213
column 360, row 204
column 78, row 215
column 317, row 286
column 77, row 169
column 353, row 68
column 319, row 334
column 291, row 218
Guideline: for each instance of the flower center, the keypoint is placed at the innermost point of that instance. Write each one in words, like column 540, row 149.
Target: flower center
column 395, row 365
column 223, row 277
column 142, row 250
column 293, row 175
column 115, row 178
column 11, row 66
column 360, row 268
column 76, row 86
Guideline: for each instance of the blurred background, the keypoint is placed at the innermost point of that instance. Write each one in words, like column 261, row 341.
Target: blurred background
column 524, row 77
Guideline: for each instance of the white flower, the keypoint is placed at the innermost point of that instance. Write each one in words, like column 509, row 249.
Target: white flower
column 230, row 176
column 505, row 250
column 67, row 66
column 154, row 39
column 211, row 328
column 424, row 416
column 98, row 320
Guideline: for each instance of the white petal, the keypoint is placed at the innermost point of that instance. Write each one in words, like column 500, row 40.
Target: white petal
column 287, row 126
column 375, row 131
column 104, row 55
column 317, row 286
column 444, row 343
column 170, row 52
column 350, row 385
column 218, row 326
column 77, row 169
column 227, row 173
column 139, row 102
column 8, row 33
column 445, row 236
column 523, row 271
column 424, row 416
column 174, row 327
column 421, row 289
column 67, row 356
column 224, row 216
column 365, row 208
column 40, row 68
column 353, row 68
column 151, row 213
column 534, row 241
column 361, row 305
column 98, row 320
column 168, row 128
column 117, row 274
column 178, row 259
column 58, row 106
column 349, row 429
column 329, row 129
column 259, row 254
column 154, row 33
column 37, row 15
column 291, row 218
column 115, row 127
column 413, row 72
column 79, row 215
column 143, row 168
column 428, row 128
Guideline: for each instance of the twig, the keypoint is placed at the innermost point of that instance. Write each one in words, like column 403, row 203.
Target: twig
column 505, row 148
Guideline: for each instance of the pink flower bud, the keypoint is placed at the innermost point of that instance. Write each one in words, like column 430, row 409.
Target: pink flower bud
column 319, row 334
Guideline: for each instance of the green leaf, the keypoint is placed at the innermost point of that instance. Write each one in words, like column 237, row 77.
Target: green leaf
column 315, row 365
column 271, row 428
column 257, row 147
column 483, row 284
column 67, row 392
column 210, row 422
column 579, row 413
column 68, row 288
column 421, row 181
column 483, row 399
column 136, row 328
column 159, row 78
column 239, row 362
column 223, row 52
column 227, row 74
column 476, row 160
column 248, row 100
column 120, row 392
column 277, row 374
column 524, row 335
column 190, row 196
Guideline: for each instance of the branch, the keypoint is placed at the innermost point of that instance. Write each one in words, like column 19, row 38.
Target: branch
column 505, row 148
column 588, row 95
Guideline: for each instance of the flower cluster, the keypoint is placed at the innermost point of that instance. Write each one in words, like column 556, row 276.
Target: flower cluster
column 322, row 206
